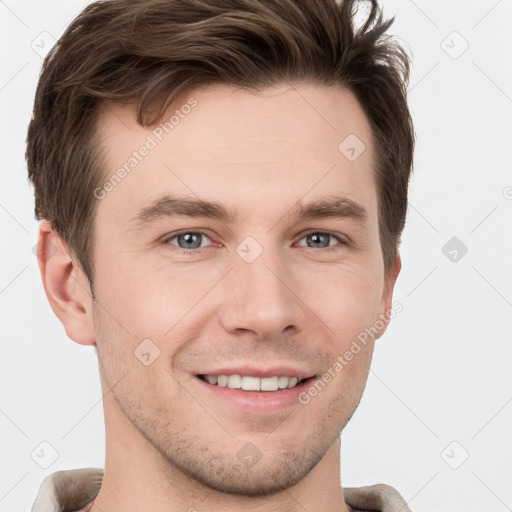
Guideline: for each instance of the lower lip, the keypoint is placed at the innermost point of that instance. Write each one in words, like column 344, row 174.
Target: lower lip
column 259, row 402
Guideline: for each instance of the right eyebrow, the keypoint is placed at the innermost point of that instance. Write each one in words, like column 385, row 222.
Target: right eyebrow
column 170, row 206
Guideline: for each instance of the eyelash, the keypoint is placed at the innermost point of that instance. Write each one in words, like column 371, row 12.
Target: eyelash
column 341, row 240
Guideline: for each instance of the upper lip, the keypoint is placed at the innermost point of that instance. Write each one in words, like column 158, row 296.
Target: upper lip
column 251, row 370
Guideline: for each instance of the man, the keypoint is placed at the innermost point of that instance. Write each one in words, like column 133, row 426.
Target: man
column 222, row 187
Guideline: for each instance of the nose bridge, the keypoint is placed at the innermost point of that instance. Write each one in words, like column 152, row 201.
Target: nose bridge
column 260, row 295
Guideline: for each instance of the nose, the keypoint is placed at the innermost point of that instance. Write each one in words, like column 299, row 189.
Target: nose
column 262, row 297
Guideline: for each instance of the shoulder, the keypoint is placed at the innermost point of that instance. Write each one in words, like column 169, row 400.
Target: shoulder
column 70, row 489
column 380, row 497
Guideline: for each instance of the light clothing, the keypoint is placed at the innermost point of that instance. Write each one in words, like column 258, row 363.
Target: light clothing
column 74, row 491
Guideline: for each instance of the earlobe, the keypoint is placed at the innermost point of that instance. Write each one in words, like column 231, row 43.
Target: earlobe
column 65, row 285
column 387, row 297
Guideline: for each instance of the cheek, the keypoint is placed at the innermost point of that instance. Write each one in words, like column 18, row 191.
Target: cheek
column 149, row 295
column 148, row 298
column 136, row 368
column 346, row 298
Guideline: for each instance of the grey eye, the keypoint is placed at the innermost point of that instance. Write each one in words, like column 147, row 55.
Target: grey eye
column 318, row 239
column 189, row 240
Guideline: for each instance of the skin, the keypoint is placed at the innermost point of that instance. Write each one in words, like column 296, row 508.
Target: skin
column 170, row 445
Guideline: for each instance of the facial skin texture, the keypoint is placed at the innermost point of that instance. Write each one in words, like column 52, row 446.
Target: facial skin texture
column 170, row 445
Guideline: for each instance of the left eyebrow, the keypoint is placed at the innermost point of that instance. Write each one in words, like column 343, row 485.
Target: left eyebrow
column 335, row 207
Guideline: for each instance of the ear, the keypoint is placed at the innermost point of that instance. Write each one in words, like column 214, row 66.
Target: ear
column 387, row 296
column 66, row 286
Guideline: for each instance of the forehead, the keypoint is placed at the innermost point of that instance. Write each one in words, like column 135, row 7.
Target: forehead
column 228, row 145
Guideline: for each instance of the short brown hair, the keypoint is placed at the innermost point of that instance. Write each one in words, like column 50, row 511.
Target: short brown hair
column 147, row 52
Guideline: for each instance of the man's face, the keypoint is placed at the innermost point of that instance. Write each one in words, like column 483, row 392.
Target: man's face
column 268, row 293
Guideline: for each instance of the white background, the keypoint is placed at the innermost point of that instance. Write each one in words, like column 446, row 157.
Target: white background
column 442, row 372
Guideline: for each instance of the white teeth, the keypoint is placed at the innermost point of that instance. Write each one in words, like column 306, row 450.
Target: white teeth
column 234, row 381
column 282, row 382
column 248, row 383
column 269, row 384
column 293, row 382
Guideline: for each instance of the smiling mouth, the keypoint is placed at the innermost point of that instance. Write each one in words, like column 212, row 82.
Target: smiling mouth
column 250, row 383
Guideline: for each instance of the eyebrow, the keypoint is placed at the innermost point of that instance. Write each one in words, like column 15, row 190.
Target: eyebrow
column 171, row 206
